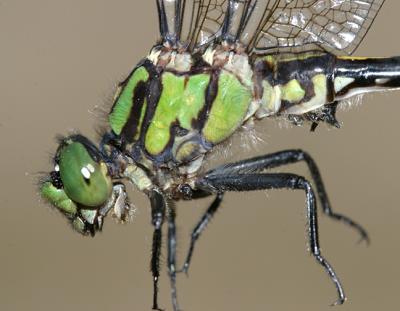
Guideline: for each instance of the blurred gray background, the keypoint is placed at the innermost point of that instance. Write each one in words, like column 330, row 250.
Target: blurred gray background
column 59, row 60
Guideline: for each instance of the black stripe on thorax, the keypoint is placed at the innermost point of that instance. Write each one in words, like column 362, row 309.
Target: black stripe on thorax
column 153, row 94
column 131, row 126
column 154, row 91
column 210, row 95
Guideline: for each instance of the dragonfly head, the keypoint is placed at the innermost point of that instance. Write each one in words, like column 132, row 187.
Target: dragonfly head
column 80, row 185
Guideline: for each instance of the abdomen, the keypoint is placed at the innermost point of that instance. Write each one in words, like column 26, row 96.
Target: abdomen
column 295, row 84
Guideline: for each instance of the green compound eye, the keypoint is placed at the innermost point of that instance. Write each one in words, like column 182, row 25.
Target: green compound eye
column 80, row 185
column 85, row 181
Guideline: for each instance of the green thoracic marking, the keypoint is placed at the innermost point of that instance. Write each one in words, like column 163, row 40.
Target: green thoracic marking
column 228, row 109
column 142, row 114
column 122, row 108
column 181, row 100
column 85, row 181
column 292, row 91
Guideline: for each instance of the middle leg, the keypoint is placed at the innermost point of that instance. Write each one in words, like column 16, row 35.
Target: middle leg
column 286, row 157
column 259, row 164
column 248, row 182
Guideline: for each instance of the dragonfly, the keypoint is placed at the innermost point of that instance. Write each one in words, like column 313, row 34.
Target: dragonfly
column 219, row 67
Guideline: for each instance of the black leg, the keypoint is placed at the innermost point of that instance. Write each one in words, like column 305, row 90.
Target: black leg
column 246, row 182
column 157, row 218
column 273, row 160
column 198, row 230
column 172, row 253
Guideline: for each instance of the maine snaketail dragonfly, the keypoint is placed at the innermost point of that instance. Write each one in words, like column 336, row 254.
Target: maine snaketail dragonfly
column 219, row 67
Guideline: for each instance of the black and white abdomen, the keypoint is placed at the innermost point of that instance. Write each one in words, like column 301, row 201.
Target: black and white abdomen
column 296, row 84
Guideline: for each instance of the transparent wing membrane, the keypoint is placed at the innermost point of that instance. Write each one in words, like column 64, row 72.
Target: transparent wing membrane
column 263, row 26
column 208, row 23
column 334, row 25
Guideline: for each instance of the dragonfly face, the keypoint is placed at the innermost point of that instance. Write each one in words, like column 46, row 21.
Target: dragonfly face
column 80, row 185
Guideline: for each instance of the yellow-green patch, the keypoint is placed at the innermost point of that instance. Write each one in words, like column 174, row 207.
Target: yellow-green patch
column 319, row 99
column 58, row 198
column 122, row 108
column 181, row 100
column 268, row 93
column 271, row 60
column 186, row 150
column 228, row 109
column 142, row 113
column 270, row 101
column 292, row 91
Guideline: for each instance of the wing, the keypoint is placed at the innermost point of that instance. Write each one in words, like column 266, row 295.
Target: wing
column 337, row 26
column 267, row 26
column 169, row 16
column 194, row 22
column 198, row 23
column 203, row 21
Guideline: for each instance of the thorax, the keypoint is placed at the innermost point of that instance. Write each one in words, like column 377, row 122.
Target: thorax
column 175, row 107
